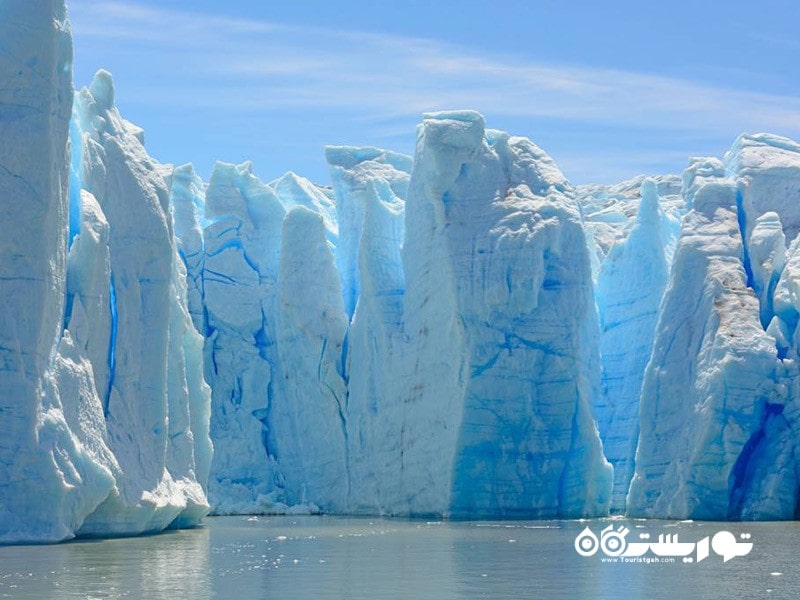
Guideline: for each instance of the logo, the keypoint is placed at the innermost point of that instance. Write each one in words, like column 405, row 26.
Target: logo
column 614, row 545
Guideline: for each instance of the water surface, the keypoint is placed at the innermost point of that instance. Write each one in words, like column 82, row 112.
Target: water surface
column 372, row 559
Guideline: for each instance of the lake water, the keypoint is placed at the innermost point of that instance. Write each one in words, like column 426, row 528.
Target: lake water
column 364, row 558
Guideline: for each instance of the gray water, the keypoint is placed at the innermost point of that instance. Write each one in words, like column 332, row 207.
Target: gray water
column 362, row 558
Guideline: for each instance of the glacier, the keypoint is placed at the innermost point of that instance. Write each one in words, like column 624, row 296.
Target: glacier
column 466, row 334
column 104, row 404
column 633, row 231
column 461, row 333
column 343, row 355
column 370, row 188
column 719, row 399
column 497, row 268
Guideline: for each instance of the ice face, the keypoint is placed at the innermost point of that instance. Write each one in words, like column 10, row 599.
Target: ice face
column 50, row 481
column 466, row 343
column 403, row 353
column 358, row 174
column 373, row 185
column 275, row 352
column 309, row 397
column 459, row 334
column 767, row 170
column 610, row 211
column 241, row 260
column 490, row 226
column 630, row 284
column 718, row 396
column 294, row 190
column 187, row 199
column 149, row 353
column 141, row 289
column 712, row 383
column 767, row 254
column 103, row 380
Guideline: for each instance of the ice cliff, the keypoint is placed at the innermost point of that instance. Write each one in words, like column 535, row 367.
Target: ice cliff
column 632, row 229
column 719, row 403
column 405, row 343
column 459, row 333
column 467, row 334
column 476, row 337
column 104, row 407
column 501, row 321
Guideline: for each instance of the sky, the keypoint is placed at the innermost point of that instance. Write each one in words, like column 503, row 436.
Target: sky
column 610, row 89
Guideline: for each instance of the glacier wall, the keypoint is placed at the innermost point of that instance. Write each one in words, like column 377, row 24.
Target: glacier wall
column 711, row 374
column 498, row 275
column 467, row 334
column 459, row 333
column 633, row 229
column 719, row 400
column 414, row 341
column 40, row 456
column 104, row 408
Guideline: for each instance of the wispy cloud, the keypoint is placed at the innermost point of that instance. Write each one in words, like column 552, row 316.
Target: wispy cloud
column 232, row 65
column 255, row 65
column 110, row 19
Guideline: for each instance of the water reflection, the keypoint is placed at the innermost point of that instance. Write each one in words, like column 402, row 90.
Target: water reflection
column 170, row 565
column 321, row 557
column 357, row 558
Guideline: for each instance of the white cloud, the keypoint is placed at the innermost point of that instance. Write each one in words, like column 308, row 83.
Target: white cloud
column 266, row 65
column 201, row 61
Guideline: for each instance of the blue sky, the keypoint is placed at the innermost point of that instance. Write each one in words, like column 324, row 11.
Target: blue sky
column 610, row 89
